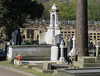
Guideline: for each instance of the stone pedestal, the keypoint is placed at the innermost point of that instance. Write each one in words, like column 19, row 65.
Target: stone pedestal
column 54, row 53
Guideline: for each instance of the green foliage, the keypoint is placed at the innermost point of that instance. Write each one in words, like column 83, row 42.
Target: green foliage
column 94, row 10
column 68, row 10
column 15, row 12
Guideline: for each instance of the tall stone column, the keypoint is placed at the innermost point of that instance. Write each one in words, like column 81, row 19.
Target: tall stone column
column 81, row 28
column 56, row 19
column 51, row 20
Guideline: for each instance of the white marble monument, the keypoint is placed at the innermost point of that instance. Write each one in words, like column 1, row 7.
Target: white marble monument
column 53, row 34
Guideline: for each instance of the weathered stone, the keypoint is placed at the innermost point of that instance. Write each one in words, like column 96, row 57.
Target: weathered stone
column 79, row 72
column 86, row 59
column 47, row 66
column 86, row 62
column 16, row 62
column 54, row 53
column 33, row 52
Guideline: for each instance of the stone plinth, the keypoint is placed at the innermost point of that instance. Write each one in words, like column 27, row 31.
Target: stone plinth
column 86, row 62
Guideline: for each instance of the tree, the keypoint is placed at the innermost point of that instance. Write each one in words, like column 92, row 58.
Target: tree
column 94, row 10
column 81, row 28
column 67, row 10
column 15, row 12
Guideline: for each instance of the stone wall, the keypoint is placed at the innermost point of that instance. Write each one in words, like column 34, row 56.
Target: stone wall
column 29, row 52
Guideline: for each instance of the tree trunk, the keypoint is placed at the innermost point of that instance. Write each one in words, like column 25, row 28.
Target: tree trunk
column 81, row 28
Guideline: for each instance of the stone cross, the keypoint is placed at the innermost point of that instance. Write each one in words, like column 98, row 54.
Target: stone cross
column 62, row 51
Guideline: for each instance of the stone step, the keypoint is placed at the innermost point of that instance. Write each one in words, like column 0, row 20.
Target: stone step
column 84, row 65
column 80, row 72
column 91, row 65
column 42, row 70
column 86, row 59
column 57, row 66
column 37, row 69
column 32, row 65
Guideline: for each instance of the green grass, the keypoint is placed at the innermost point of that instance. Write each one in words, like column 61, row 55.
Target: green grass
column 24, row 69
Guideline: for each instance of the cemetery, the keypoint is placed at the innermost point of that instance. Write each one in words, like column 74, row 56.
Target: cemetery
column 75, row 55
column 53, row 54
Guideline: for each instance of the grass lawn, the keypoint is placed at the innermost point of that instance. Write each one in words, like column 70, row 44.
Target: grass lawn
column 24, row 69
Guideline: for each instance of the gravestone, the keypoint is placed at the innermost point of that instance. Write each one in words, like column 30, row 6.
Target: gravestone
column 17, row 37
column 53, row 34
column 62, row 59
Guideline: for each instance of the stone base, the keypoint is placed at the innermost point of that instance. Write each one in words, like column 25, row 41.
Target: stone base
column 62, row 59
column 84, row 65
column 61, row 62
column 79, row 72
column 10, row 60
column 84, row 62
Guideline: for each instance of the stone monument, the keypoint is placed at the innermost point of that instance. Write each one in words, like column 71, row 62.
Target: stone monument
column 53, row 34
